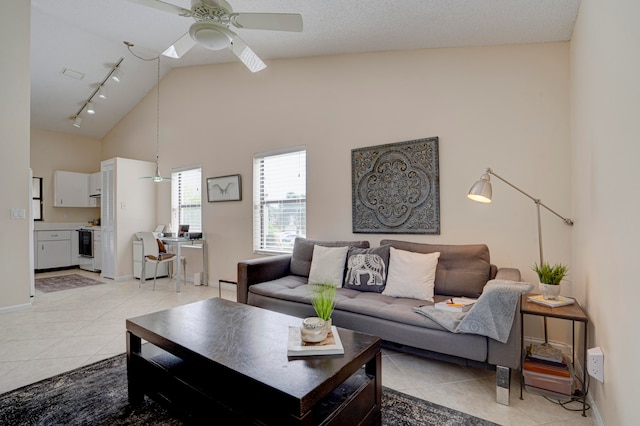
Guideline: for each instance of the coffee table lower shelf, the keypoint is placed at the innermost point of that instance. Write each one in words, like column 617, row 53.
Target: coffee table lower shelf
column 203, row 393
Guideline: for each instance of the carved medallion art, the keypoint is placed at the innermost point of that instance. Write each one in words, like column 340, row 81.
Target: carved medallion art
column 395, row 188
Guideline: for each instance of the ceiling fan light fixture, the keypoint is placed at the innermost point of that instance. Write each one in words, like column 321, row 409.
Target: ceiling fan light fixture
column 211, row 36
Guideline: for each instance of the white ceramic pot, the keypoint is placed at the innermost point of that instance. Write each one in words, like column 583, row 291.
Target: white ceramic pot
column 550, row 291
column 313, row 330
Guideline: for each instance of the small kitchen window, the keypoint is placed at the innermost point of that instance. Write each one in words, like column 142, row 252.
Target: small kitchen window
column 36, row 201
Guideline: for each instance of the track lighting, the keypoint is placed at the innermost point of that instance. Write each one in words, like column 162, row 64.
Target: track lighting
column 114, row 73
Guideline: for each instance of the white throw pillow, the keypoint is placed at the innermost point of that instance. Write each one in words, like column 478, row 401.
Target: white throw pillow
column 327, row 265
column 411, row 275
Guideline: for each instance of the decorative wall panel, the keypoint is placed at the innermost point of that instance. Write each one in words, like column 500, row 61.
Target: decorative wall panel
column 396, row 188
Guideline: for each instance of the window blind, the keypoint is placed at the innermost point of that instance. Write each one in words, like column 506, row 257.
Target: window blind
column 279, row 200
column 186, row 199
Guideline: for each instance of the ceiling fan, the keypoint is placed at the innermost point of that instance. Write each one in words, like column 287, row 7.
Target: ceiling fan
column 211, row 29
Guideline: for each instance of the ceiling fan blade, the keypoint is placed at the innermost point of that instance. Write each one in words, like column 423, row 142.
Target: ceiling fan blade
column 246, row 55
column 268, row 21
column 165, row 7
column 180, row 47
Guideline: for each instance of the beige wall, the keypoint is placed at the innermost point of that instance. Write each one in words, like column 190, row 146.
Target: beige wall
column 505, row 107
column 51, row 151
column 605, row 63
column 14, row 153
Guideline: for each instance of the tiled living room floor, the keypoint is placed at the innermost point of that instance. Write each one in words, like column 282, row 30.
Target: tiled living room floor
column 71, row 328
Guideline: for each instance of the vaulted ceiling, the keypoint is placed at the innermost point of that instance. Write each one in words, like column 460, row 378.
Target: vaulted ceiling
column 86, row 36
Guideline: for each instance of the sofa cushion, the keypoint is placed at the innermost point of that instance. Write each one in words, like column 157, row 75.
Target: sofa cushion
column 367, row 269
column 463, row 270
column 327, row 265
column 303, row 252
column 411, row 274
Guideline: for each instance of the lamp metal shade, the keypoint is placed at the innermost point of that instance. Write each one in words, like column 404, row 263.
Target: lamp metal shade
column 102, row 92
column 91, row 108
column 481, row 190
column 77, row 122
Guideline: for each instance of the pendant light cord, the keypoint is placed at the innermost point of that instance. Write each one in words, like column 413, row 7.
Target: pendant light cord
column 158, row 120
column 156, row 58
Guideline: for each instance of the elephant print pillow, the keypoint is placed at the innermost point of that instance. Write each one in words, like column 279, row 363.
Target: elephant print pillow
column 367, row 269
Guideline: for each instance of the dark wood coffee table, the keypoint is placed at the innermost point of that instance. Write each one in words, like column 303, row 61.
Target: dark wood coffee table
column 221, row 361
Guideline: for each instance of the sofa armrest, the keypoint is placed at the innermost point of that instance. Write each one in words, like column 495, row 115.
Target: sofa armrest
column 508, row 354
column 509, row 274
column 255, row 271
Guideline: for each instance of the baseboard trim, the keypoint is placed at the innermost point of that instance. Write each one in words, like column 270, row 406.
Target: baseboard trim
column 13, row 308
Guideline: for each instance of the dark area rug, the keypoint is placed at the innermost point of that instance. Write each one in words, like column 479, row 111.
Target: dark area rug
column 97, row 395
column 64, row 282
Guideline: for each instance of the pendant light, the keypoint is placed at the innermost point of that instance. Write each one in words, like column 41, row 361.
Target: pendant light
column 157, row 177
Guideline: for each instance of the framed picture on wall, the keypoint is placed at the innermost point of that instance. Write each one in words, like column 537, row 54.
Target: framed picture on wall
column 224, row 188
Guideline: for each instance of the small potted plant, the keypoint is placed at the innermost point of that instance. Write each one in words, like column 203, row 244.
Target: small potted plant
column 322, row 295
column 550, row 277
column 323, row 299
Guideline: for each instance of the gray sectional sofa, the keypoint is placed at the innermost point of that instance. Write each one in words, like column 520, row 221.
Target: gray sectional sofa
column 279, row 283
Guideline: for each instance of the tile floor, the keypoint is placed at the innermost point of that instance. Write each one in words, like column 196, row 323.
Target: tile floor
column 68, row 329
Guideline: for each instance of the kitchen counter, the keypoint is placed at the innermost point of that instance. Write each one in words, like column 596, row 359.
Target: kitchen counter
column 59, row 226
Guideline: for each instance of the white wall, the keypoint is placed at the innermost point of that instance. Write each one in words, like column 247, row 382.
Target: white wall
column 605, row 64
column 51, row 151
column 14, row 154
column 506, row 107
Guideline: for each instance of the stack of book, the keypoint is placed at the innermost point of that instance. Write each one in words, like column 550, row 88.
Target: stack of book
column 548, row 372
column 546, row 359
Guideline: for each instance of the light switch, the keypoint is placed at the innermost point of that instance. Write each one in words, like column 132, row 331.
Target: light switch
column 18, row 214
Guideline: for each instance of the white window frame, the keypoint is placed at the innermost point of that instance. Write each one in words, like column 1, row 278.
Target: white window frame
column 278, row 238
column 176, row 208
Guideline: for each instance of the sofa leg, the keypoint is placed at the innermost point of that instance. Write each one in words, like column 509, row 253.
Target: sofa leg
column 503, row 379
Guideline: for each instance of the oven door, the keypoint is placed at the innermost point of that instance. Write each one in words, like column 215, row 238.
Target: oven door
column 85, row 243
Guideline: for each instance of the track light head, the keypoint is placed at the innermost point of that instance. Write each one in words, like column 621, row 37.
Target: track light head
column 91, row 108
column 102, row 92
column 117, row 75
column 77, row 122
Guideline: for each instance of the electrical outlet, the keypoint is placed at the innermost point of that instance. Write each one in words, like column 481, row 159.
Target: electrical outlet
column 595, row 363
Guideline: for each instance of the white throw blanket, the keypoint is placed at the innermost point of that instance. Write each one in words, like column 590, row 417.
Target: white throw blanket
column 492, row 315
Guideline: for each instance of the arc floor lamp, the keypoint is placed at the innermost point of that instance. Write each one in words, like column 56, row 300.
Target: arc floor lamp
column 481, row 192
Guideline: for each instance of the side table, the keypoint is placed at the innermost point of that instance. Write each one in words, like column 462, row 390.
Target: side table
column 573, row 313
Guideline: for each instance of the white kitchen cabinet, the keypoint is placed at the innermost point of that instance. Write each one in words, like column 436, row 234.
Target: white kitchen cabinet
column 95, row 184
column 53, row 249
column 95, row 189
column 70, row 189
column 97, row 250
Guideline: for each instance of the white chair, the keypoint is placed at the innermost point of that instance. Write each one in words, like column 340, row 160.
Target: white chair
column 151, row 254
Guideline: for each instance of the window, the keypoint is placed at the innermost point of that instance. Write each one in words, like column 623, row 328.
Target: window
column 279, row 199
column 36, row 202
column 186, row 199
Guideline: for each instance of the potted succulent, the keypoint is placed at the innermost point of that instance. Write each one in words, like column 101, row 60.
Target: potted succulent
column 550, row 277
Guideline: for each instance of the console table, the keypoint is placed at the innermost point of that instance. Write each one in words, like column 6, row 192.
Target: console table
column 573, row 313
